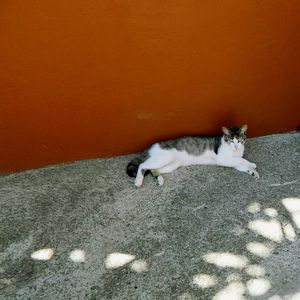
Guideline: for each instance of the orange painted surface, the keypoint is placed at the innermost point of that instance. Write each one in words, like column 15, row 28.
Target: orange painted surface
column 83, row 79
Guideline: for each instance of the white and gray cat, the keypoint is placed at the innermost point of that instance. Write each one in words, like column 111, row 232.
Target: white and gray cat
column 167, row 156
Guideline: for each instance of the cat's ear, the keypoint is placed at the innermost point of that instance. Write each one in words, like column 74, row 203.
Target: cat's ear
column 244, row 128
column 225, row 130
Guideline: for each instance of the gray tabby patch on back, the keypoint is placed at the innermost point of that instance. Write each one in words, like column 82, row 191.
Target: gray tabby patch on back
column 193, row 145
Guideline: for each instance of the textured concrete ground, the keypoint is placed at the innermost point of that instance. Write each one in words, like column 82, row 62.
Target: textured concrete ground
column 83, row 231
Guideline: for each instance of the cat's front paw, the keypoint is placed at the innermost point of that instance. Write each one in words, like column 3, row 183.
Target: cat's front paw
column 254, row 173
column 253, row 165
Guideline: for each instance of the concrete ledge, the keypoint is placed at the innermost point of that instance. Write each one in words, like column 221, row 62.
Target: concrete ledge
column 83, row 231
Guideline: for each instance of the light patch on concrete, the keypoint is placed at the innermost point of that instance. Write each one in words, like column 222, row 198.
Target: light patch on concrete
column 259, row 249
column 293, row 207
column 254, row 208
column 233, row 277
column 223, row 259
column 258, row 287
column 139, row 266
column 271, row 212
column 77, row 256
column 234, row 291
column 204, row 280
column 255, row 270
column 289, row 232
column 117, row 260
column 269, row 229
column 42, row 254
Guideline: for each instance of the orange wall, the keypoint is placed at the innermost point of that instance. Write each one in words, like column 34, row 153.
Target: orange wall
column 93, row 78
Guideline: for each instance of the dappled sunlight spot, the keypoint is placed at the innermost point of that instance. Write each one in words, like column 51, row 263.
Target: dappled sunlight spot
column 77, row 255
column 139, row 266
column 255, row 270
column 258, row 286
column 271, row 212
column 289, row 232
column 42, row 254
column 259, row 249
column 254, row 208
column 116, row 260
column 223, row 259
column 233, row 277
column 269, row 229
column 292, row 205
column 234, row 291
column 204, row 280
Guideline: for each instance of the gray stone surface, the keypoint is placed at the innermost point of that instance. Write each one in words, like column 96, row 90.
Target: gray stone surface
column 206, row 225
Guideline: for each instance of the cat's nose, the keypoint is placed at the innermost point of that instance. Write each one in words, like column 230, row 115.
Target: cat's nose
column 236, row 146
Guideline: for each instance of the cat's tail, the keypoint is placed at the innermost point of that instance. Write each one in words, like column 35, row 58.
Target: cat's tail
column 134, row 164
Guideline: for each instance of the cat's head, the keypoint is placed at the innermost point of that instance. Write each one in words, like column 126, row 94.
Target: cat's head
column 235, row 136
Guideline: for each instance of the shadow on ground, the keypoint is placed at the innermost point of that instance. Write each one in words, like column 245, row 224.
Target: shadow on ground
column 83, row 231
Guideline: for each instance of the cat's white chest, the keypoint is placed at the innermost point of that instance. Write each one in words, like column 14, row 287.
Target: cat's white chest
column 227, row 153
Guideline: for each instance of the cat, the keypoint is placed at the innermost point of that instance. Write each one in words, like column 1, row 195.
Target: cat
column 167, row 156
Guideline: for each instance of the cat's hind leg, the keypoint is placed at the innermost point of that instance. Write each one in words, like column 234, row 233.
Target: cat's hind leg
column 158, row 177
column 154, row 162
column 166, row 169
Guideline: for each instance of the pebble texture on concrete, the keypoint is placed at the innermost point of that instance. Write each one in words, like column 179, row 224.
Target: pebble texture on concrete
column 84, row 231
